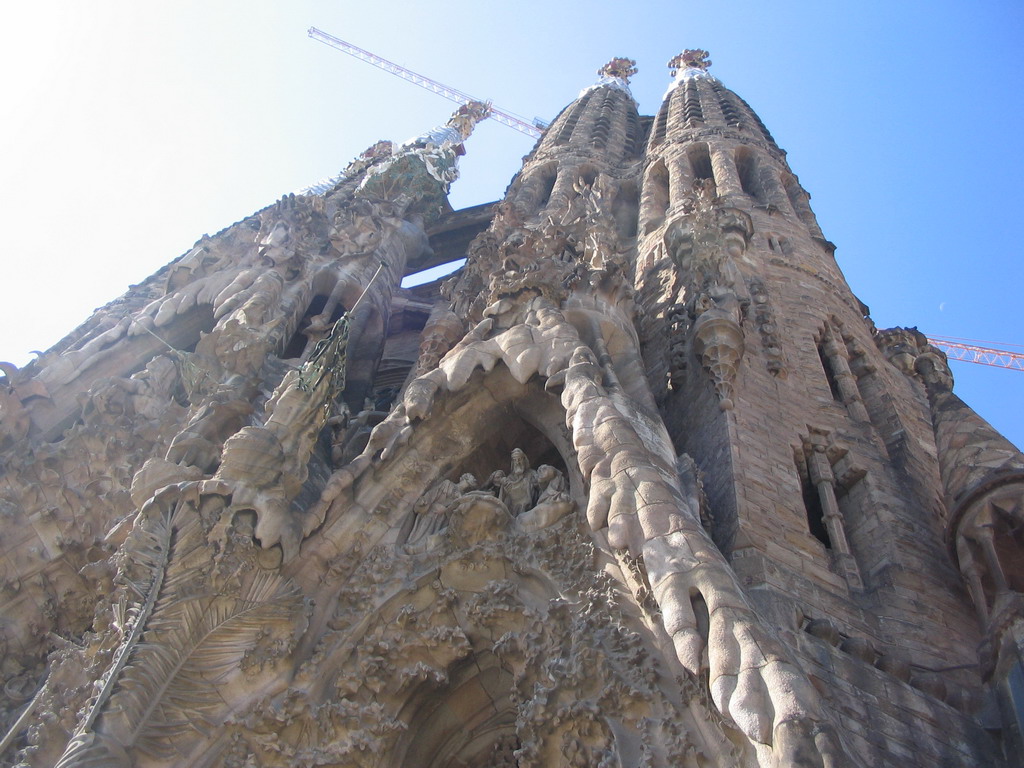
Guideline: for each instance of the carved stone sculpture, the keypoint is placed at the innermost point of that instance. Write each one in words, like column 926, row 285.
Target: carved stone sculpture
column 432, row 510
column 241, row 523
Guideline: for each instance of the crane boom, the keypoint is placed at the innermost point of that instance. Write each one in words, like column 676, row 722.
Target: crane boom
column 972, row 353
column 505, row 118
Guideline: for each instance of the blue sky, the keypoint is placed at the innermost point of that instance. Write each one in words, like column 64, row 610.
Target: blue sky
column 133, row 128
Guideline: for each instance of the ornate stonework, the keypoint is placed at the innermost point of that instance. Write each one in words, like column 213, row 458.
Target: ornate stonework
column 639, row 485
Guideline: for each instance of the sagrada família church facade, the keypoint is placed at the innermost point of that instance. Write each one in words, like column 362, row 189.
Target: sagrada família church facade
column 640, row 484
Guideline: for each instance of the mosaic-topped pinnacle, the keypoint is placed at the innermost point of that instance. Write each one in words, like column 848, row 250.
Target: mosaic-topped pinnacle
column 691, row 58
column 619, row 67
column 473, row 110
column 465, row 118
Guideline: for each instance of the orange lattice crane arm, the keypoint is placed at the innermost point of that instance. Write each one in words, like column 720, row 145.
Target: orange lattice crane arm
column 971, row 351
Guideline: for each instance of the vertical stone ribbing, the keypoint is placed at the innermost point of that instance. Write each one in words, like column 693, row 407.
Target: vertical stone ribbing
column 884, row 541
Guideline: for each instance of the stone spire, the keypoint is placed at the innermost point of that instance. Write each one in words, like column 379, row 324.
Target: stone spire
column 456, row 130
column 443, row 145
column 424, row 168
column 614, row 74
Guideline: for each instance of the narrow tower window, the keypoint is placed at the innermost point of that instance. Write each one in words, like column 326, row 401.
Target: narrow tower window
column 536, row 190
column 777, row 243
column 730, row 111
column 812, row 505
column 632, row 132
column 825, row 522
column 625, row 210
column 830, row 376
column 700, row 161
column 748, row 169
column 602, row 126
column 835, row 363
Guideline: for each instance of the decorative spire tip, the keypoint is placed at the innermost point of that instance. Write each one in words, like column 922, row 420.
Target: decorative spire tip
column 691, row 58
column 619, row 67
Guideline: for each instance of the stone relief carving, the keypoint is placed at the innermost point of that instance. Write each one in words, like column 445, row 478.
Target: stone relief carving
column 431, row 512
column 704, row 243
column 528, row 499
column 249, row 279
column 767, row 326
column 657, row 522
column 718, row 339
column 253, row 624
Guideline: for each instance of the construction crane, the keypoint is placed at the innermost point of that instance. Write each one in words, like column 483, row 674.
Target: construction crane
column 970, row 351
column 955, row 349
column 503, row 117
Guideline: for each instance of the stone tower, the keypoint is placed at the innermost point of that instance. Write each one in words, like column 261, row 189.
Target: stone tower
column 639, row 485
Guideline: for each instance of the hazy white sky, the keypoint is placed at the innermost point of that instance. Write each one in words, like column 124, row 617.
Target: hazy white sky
column 130, row 129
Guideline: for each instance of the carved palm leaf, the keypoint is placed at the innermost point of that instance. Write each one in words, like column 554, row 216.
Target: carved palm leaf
column 148, row 550
column 170, row 689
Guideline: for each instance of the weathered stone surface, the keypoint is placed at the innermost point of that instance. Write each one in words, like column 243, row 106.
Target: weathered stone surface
column 639, row 485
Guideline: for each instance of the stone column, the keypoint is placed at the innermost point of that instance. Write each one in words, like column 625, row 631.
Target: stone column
column 727, row 178
column 654, row 197
column 824, row 480
column 985, row 538
column 680, row 180
column 846, row 382
column 564, row 190
column 972, row 575
column 777, row 196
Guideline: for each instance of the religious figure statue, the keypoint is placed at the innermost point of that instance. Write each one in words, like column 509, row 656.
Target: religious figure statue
column 431, row 512
column 518, row 489
column 553, row 500
column 534, row 499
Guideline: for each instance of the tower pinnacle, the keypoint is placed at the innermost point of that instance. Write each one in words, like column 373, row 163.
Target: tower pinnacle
column 691, row 58
column 619, row 67
column 616, row 74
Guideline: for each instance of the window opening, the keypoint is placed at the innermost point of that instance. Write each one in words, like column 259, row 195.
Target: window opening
column 830, row 376
column 546, row 185
column 692, row 111
column 747, row 168
column 815, row 512
column 312, row 324
column 432, row 273
column 700, row 162
column 570, row 122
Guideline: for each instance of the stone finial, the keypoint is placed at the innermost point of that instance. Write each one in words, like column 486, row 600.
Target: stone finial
column 383, row 148
column 465, row 118
column 691, row 58
column 619, row 67
column 472, row 110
